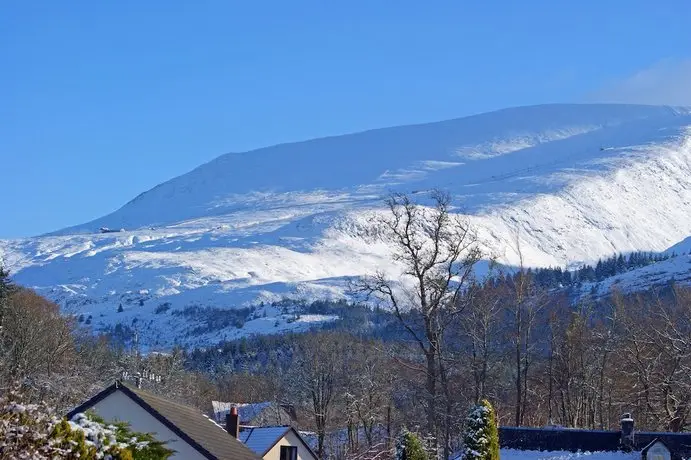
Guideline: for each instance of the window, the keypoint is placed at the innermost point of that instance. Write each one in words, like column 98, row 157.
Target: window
column 289, row 453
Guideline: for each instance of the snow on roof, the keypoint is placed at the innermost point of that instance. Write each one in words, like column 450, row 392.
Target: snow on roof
column 514, row 454
column 261, row 439
column 246, row 411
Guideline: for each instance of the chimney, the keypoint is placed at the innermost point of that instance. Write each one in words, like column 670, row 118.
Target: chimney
column 233, row 422
column 627, row 432
column 138, row 380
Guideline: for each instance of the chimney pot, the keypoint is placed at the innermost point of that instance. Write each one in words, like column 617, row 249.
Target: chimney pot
column 627, row 432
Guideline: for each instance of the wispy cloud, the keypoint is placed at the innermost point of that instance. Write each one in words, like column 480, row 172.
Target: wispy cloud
column 667, row 82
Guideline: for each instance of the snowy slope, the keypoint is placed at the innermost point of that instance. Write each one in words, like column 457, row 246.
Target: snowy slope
column 576, row 182
column 682, row 247
column 676, row 268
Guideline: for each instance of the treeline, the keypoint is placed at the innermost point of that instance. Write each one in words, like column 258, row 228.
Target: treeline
column 580, row 366
column 509, row 339
column 459, row 340
column 550, row 278
column 437, row 342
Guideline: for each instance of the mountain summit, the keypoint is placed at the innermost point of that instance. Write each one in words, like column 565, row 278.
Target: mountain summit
column 574, row 182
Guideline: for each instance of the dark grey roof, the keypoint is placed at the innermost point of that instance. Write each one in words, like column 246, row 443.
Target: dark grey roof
column 190, row 424
column 569, row 439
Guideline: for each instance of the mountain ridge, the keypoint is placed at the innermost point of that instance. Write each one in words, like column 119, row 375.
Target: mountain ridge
column 222, row 166
column 573, row 182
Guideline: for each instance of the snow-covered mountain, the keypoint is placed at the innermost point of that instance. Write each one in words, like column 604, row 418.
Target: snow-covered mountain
column 575, row 182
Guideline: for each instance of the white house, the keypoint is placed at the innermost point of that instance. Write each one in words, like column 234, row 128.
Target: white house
column 656, row 450
column 276, row 443
column 191, row 434
column 270, row 442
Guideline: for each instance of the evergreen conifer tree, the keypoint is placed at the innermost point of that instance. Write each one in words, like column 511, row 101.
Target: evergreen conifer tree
column 6, row 284
column 409, row 447
column 7, row 287
column 481, row 437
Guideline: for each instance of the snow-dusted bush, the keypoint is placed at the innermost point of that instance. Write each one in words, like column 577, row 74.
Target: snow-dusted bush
column 139, row 446
column 481, row 437
column 34, row 431
column 409, row 446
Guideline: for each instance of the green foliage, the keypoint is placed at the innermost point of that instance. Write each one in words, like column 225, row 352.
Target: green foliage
column 6, row 284
column 481, row 437
column 73, row 442
column 149, row 448
column 7, row 287
column 34, row 431
column 409, row 446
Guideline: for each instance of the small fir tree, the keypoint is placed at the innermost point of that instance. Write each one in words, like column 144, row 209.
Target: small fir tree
column 6, row 284
column 409, row 447
column 481, row 437
column 7, row 287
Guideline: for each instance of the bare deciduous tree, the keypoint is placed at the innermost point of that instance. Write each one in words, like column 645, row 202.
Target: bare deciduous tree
column 370, row 383
column 526, row 303
column 480, row 325
column 437, row 250
column 317, row 375
column 38, row 339
column 657, row 351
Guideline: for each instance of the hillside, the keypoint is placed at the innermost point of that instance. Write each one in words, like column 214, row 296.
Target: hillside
column 575, row 182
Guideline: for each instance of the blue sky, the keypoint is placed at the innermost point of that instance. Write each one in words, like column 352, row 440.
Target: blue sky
column 100, row 101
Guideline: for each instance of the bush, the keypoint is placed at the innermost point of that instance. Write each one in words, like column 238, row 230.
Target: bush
column 481, row 437
column 162, row 308
column 140, row 446
column 409, row 447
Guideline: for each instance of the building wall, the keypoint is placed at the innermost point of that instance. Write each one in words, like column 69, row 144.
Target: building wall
column 119, row 407
column 290, row 439
column 658, row 451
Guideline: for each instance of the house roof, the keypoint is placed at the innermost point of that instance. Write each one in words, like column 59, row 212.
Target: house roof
column 569, row 439
column 262, row 439
column 247, row 412
column 188, row 423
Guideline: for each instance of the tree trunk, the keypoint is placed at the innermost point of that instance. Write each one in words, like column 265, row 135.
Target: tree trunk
column 519, row 383
column 431, row 391
column 320, row 444
column 550, row 376
column 388, row 427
